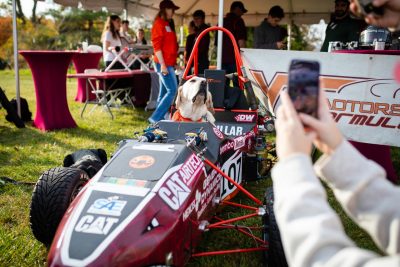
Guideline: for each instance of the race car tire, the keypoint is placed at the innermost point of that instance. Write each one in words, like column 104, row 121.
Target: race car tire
column 274, row 256
column 53, row 193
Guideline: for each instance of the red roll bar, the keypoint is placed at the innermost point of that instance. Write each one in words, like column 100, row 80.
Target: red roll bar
column 194, row 55
column 244, row 83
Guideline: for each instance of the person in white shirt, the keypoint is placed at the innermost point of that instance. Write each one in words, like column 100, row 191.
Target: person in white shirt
column 124, row 32
column 311, row 232
column 111, row 39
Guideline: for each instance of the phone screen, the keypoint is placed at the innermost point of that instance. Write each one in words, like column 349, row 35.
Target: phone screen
column 304, row 86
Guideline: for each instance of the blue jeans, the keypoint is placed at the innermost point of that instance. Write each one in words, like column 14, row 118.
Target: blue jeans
column 168, row 88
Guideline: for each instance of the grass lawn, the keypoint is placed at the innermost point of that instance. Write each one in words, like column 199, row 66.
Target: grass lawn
column 26, row 153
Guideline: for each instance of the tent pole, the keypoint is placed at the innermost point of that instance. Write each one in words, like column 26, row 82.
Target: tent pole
column 289, row 41
column 220, row 24
column 16, row 67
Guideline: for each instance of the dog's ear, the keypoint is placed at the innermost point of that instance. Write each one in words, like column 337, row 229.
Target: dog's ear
column 178, row 98
column 209, row 103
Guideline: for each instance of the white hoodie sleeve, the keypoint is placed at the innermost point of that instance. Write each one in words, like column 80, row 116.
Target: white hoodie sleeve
column 367, row 196
column 311, row 232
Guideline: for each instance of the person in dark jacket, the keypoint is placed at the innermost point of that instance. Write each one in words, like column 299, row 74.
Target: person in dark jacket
column 341, row 28
column 269, row 35
column 199, row 21
column 235, row 24
column 190, row 40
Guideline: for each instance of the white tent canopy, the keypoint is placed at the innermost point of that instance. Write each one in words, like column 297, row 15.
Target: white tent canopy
column 300, row 12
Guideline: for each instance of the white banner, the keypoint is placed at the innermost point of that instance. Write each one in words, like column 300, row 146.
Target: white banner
column 363, row 96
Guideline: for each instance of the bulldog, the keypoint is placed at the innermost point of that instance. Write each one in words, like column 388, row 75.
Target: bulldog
column 194, row 101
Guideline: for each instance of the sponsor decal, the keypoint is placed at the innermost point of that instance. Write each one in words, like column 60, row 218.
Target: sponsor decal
column 111, row 206
column 218, row 133
column 228, row 146
column 245, row 117
column 210, row 80
column 203, row 196
column 174, row 192
column 230, row 129
column 176, row 189
column 233, row 168
column 365, row 113
column 125, row 181
column 95, row 225
column 190, row 169
column 239, row 142
column 142, row 162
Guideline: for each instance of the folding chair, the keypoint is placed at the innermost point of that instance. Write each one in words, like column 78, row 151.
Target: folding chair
column 106, row 96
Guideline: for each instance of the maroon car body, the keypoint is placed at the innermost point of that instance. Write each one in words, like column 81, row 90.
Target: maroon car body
column 149, row 204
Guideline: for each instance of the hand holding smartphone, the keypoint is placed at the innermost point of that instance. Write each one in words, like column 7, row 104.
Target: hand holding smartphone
column 366, row 7
column 304, row 86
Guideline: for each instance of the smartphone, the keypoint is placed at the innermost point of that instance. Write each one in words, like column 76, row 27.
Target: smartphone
column 304, row 86
column 366, row 7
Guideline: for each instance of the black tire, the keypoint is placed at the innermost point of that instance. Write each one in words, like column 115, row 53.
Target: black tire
column 54, row 191
column 274, row 256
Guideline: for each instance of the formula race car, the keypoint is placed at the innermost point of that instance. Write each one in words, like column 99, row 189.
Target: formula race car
column 150, row 204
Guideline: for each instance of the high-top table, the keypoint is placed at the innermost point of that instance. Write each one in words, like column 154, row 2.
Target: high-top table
column 379, row 153
column 83, row 61
column 49, row 72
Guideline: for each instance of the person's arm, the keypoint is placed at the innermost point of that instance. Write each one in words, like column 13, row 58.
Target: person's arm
column 312, row 234
column 106, row 41
column 359, row 184
column 157, row 37
column 391, row 13
column 373, row 200
column 241, row 33
column 204, row 44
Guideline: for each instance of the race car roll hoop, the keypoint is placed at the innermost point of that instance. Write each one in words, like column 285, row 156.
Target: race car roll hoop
column 244, row 82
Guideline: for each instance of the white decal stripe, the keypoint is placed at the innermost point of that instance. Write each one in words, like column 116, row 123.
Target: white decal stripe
column 121, row 189
column 152, row 147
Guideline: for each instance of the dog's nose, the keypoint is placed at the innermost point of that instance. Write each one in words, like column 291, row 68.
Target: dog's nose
column 203, row 85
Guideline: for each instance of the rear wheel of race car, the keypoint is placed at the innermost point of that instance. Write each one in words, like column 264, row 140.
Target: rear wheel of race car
column 274, row 256
column 54, row 191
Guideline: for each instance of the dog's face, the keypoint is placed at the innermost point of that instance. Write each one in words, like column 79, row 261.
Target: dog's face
column 194, row 99
column 195, row 90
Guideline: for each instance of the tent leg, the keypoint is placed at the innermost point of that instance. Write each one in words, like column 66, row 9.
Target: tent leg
column 16, row 67
column 220, row 24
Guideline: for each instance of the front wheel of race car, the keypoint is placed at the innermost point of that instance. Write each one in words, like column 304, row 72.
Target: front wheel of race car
column 54, row 191
column 274, row 256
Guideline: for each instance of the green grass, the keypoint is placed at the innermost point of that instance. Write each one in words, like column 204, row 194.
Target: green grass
column 26, row 153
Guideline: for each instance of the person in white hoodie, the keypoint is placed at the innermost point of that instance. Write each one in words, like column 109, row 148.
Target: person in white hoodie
column 311, row 232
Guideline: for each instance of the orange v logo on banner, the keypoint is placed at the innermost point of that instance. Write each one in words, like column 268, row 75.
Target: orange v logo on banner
column 280, row 80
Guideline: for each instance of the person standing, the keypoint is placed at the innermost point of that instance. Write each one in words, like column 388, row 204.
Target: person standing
column 111, row 39
column 124, row 32
column 341, row 28
column 190, row 40
column 269, row 35
column 199, row 20
column 165, row 47
column 235, row 24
